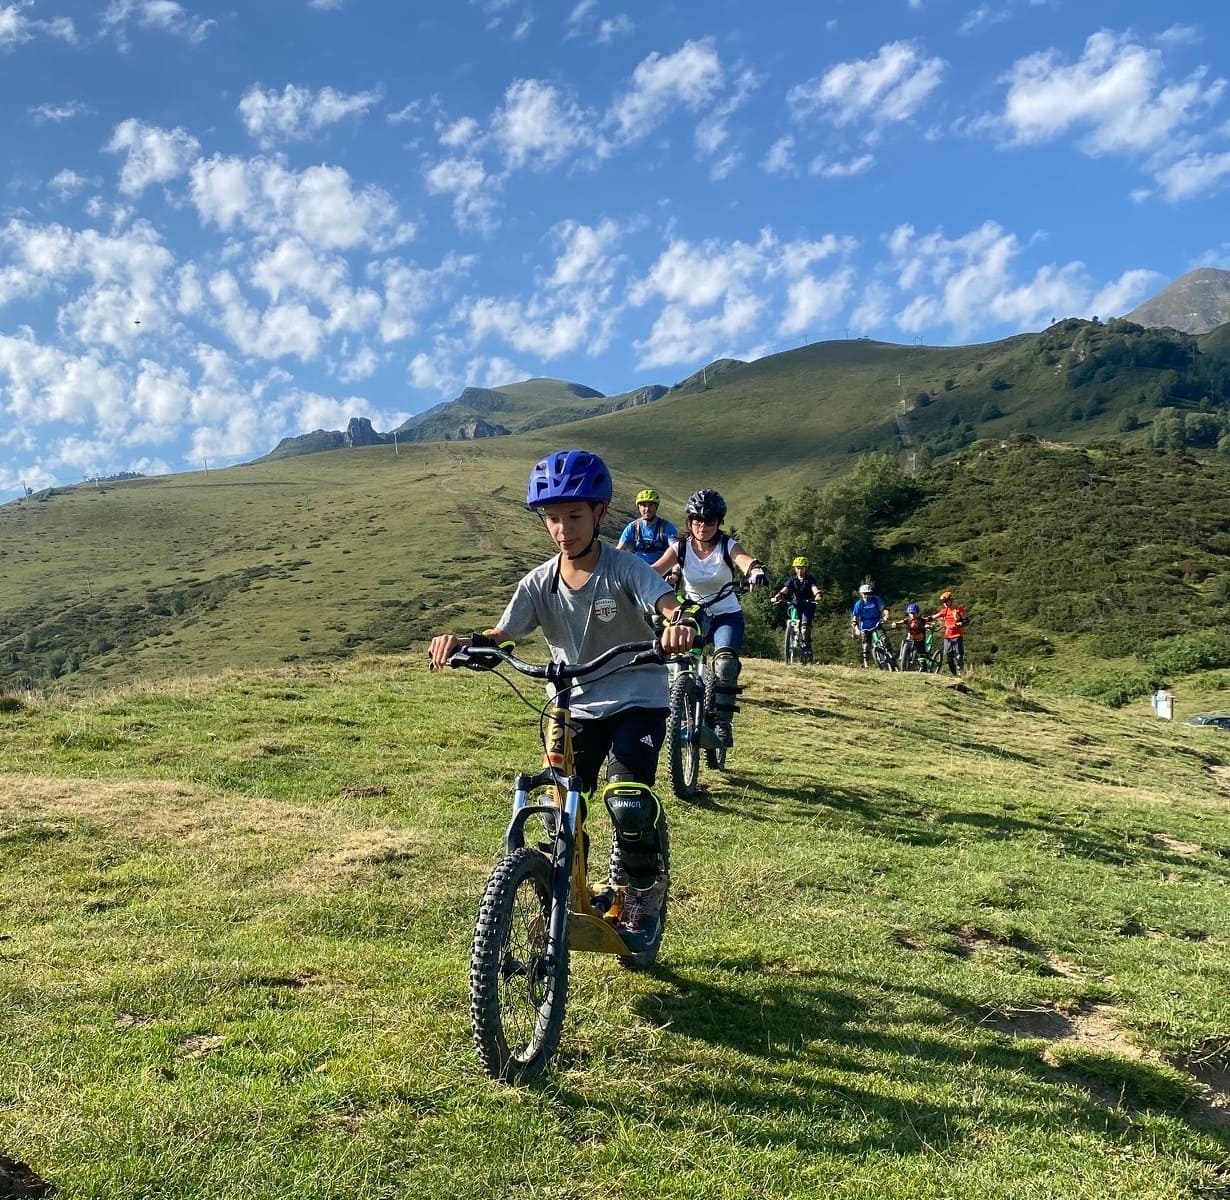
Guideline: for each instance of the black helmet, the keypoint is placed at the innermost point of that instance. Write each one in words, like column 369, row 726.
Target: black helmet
column 706, row 504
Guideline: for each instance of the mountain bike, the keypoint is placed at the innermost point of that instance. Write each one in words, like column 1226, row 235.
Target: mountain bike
column 911, row 658
column 689, row 729
column 796, row 650
column 882, row 649
column 537, row 906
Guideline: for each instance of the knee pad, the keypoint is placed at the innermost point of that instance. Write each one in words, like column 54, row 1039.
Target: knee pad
column 633, row 807
column 726, row 666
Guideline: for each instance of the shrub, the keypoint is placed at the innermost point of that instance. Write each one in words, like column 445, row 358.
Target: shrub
column 1188, row 652
column 1117, row 688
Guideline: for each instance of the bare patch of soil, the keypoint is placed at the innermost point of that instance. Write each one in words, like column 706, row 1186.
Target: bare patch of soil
column 198, row 1045
column 152, row 808
column 1096, row 1028
column 356, row 853
column 1163, row 842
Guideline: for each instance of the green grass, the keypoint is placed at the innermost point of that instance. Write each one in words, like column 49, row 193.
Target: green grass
column 924, row 942
column 371, row 549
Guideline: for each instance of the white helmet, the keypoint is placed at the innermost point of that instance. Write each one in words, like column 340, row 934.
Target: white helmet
column 864, row 589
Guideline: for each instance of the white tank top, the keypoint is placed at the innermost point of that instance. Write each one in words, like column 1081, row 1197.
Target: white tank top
column 704, row 577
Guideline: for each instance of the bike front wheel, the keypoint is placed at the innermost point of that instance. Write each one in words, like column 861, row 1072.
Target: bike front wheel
column 517, row 993
column 883, row 656
column 683, row 737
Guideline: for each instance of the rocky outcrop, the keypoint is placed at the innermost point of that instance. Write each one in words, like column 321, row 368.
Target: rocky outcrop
column 359, row 432
column 478, row 428
column 645, row 395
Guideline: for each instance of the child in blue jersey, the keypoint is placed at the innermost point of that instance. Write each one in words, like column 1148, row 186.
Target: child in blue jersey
column 649, row 535
column 868, row 614
column 586, row 599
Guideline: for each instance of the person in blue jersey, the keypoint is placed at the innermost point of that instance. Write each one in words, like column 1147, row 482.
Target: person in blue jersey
column 868, row 614
column 649, row 535
column 586, row 599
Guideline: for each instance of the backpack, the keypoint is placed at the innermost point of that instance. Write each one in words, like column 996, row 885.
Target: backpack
column 681, row 549
column 642, row 544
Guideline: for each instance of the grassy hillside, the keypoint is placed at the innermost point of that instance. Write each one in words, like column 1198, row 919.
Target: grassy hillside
column 923, row 943
column 374, row 548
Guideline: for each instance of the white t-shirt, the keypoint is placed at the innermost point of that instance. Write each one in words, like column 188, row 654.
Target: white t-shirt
column 704, row 577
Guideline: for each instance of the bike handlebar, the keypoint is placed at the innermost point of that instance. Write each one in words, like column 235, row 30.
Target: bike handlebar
column 734, row 587
column 485, row 658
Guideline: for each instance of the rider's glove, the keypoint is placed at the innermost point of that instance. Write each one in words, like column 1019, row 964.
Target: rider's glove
column 687, row 614
column 757, row 576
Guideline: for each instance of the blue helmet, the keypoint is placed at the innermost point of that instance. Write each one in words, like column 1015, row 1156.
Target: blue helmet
column 913, row 610
column 568, row 475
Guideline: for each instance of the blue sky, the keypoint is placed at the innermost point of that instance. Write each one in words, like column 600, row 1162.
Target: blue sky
column 220, row 226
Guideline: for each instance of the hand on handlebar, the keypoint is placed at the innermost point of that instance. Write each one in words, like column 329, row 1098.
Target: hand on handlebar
column 677, row 639
column 442, row 648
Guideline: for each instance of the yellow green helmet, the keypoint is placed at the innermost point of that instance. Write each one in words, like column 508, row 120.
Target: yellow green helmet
column 800, row 562
column 648, row 496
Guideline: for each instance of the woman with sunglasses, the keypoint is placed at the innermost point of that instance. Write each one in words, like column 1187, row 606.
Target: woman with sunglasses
column 708, row 559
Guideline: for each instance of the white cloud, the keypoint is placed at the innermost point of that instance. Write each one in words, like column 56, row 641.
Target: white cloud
column 47, row 384
column 410, row 291
column 431, row 372
column 585, row 257
column 828, row 169
column 265, row 197
column 154, row 155
column 281, row 330
column 163, row 15
column 688, row 79
column 873, row 309
column 620, row 25
column 970, row 281
column 1114, row 91
column 1194, row 175
column 890, row 87
column 297, row 113
column 983, row 17
column 474, row 192
column 460, row 133
column 14, row 26
column 678, row 336
column 355, row 365
column 294, row 269
column 327, row 5
column 780, row 158
column 68, row 182
column 59, row 112
column 711, row 132
column 126, row 278
column 538, row 124
column 582, row 22
column 532, row 327
column 813, row 303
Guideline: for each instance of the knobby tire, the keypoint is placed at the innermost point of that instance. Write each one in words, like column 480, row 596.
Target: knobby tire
column 683, row 737
column 517, row 999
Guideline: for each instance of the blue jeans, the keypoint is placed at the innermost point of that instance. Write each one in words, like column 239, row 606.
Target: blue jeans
column 726, row 631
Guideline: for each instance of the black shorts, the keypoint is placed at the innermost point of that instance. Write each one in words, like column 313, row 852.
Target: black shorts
column 628, row 743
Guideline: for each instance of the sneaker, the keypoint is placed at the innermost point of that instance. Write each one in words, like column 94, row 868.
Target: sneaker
column 640, row 921
column 725, row 734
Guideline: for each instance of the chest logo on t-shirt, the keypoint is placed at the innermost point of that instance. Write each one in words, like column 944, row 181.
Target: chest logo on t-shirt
column 605, row 609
